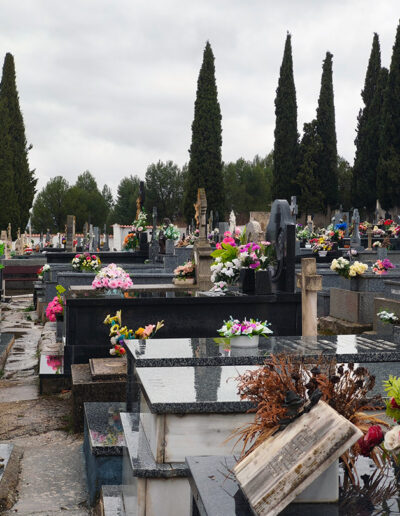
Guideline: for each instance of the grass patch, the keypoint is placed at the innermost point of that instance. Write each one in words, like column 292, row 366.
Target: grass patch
column 1, row 373
column 68, row 424
column 29, row 308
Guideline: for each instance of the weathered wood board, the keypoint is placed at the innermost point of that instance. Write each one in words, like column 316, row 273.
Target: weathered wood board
column 285, row 464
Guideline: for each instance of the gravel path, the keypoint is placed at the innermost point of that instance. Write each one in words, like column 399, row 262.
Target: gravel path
column 52, row 479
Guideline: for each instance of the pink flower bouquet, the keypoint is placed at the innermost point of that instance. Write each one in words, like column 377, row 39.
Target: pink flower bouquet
column 53, row 308
column 112, row 277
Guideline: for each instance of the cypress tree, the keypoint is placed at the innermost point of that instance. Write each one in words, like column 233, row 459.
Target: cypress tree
column 327, row 161
column 388, row 180
column 205, row 164
column 286, row 135
column 368, row 127
column 8, row 198
column 24, row 180
column 310, row 195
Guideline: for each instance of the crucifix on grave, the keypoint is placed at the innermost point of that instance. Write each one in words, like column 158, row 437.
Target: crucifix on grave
column 310, row 283
column 202, row 248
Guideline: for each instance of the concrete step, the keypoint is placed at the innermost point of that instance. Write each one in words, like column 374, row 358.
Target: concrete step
column 110, row 503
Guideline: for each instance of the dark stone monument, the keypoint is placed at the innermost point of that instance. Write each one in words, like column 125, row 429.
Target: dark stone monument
column 96, row 238
column 154, row 248
column 281, row 232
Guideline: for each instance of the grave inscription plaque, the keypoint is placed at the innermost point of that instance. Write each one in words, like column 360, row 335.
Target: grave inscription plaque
column 278, row 470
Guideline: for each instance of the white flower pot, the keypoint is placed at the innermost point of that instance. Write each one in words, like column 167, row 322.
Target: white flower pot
column 322, row 253
column 242, row 341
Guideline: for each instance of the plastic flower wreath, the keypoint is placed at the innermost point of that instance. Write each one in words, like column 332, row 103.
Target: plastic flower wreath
column 119, row 334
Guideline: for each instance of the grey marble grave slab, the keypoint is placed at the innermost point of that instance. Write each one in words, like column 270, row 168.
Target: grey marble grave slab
column 193, row 390
column 212, row 352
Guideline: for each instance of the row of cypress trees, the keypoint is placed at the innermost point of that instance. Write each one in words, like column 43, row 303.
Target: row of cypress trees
column 307, row 168
column 18, row 182
column 376, row 172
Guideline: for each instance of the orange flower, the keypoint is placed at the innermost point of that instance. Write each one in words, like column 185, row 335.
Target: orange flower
column 139, row 333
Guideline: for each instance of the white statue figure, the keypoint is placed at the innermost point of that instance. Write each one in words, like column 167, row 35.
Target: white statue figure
column 232, row 222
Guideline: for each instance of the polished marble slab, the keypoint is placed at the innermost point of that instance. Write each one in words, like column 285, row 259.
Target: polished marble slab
column 217, row 351
column 51, row 365
column 192, row 390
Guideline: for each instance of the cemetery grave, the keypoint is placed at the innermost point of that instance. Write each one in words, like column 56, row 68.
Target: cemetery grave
column 156, row 423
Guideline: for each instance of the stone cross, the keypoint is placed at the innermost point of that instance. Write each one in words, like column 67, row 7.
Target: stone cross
column 310, row 283
column 294, row 209
column 70, row 236
column 48, row 236
column 232, row 222
column 202, row 248
column 106, row 246
column 202, row 203
column 91, row 236
column 9, row 237
column 369, row 233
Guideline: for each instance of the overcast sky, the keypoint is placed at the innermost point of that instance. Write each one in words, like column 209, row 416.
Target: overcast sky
column 109, row 85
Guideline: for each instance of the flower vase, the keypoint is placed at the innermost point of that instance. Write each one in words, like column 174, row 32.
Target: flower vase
column 248, row 280
column 59, row 326
column 263, row 282
column 114, row 292
column 322, row 253
column 169, row 246
column 183, row 281
column 243, row 341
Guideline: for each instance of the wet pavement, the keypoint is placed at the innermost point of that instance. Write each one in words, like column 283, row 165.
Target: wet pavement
column 52, row 479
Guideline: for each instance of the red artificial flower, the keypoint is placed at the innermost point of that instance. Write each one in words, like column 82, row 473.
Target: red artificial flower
column 388, row 222
column 393, row 403
column 122, row 351
column 372, row 438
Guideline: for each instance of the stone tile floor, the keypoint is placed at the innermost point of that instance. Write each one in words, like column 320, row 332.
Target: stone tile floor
column 52, row 479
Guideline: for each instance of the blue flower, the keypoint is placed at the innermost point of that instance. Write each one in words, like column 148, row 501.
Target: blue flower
column 342, row 225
